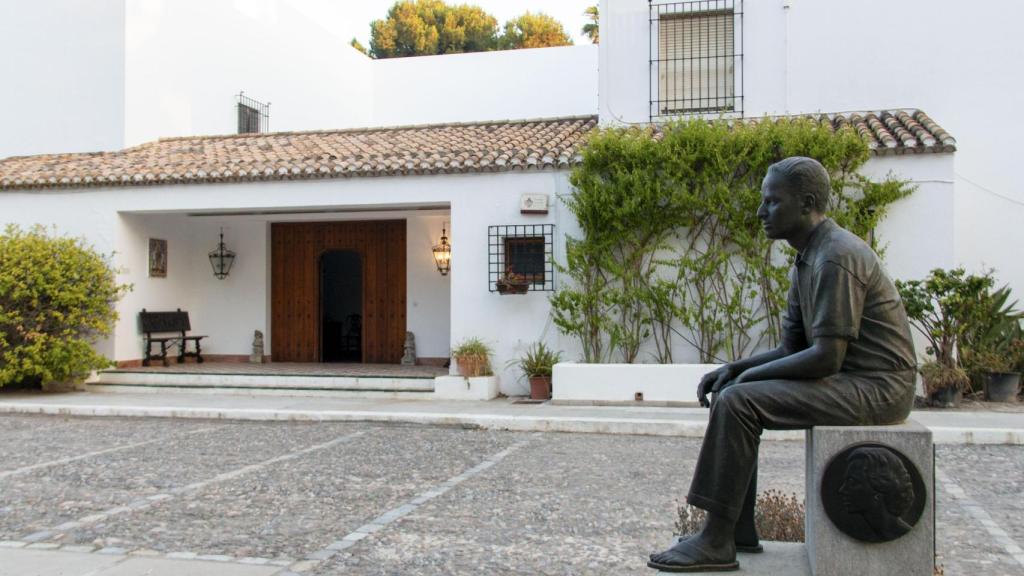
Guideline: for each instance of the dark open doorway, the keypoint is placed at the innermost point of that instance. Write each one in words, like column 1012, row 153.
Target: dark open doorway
column 341, row 305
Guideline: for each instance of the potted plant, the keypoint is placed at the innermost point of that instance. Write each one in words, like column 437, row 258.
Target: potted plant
column 943, row 307
column 512, row 283
column 537, row 365
column 996, row 370
column 473, row 357
column 944, row 385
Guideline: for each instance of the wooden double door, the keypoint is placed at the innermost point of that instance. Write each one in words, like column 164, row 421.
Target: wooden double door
column 296, row 299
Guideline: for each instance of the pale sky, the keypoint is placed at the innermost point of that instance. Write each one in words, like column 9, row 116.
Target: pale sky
column 352, row 17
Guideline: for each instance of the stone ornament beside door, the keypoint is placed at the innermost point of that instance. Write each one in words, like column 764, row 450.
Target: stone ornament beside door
column 873, row 492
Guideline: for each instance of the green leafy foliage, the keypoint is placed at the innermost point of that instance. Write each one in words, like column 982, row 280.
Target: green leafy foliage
column 533, row 30
column 943, row 306
column 592, row 29
column 426, row 27
column 57, row 298
column 671, row 245
column 473, row 356
column 355, row 43
column 429, row 27
column 539, row 360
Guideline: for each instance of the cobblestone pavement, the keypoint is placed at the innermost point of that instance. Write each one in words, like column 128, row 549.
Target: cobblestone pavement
column 372, row 499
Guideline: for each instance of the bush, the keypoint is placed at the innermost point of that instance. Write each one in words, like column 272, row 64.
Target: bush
column 57, row 299
column 778, row 517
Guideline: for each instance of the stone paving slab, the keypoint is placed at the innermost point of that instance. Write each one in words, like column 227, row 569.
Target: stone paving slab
column 596, row 504
column 64, row 438
column 38, row 501
column 296, row 508
column 557, row 504
column 43, row 563
column 33, row 563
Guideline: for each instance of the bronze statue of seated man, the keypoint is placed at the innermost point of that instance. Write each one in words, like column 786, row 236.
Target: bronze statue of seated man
column 847, row 359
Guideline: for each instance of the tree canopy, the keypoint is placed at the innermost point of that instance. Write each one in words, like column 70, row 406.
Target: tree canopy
column 429, row 27
column 533, row 31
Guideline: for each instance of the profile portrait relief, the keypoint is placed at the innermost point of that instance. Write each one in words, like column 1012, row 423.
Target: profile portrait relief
column 878, row 487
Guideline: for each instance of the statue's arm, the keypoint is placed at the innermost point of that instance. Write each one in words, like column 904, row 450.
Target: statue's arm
column 822, row 358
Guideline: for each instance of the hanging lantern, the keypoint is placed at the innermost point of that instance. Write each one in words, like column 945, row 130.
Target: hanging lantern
column 443, row 254
column 221, row 259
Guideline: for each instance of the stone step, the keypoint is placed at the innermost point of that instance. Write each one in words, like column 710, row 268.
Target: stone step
column 282, row 384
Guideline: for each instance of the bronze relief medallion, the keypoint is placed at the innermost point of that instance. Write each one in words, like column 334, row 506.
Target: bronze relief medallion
column 873, row 492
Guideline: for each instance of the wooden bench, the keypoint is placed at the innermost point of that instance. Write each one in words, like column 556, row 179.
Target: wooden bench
column 176, row 323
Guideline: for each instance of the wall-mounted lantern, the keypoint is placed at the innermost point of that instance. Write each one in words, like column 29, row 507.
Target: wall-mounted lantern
column 443, row 253
column 221, row 259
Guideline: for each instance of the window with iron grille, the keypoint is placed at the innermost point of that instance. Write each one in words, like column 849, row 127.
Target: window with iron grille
column 696, row 58
column 523, row 249
column 253, row 116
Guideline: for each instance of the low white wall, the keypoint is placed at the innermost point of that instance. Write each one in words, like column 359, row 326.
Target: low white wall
column 461, row 388
column 572, row 382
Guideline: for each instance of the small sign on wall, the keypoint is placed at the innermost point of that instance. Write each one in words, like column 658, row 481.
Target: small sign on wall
column 533, row 204
column 157, row 258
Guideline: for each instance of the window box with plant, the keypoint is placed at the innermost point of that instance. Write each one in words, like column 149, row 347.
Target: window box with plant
column 512, row 283
column 537, row 365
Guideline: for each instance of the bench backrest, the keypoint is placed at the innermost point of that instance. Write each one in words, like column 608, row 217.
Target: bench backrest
column 164, row 321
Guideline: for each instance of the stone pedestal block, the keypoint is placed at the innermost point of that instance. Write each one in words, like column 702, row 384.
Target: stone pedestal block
column 831, row 550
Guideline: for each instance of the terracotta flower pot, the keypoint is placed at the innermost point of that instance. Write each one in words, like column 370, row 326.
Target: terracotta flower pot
column 540, row 387
column 472, row 366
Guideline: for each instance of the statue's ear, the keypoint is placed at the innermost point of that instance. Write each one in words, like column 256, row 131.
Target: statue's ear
column 807, row 203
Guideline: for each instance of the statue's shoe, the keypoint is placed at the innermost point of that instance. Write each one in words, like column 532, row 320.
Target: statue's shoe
column 686, row 556
column 755, row 548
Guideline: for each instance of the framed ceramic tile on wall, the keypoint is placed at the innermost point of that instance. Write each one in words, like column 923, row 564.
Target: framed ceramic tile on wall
column 157, row 258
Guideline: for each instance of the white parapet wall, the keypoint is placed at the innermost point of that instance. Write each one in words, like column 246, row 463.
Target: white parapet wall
column 463, row 388
column 600, row 383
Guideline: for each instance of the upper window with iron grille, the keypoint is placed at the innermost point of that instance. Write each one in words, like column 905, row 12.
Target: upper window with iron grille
column 253, row 116
column 696, row 58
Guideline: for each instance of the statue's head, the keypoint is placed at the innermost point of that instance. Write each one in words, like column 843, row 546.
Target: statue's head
column 876, row 484
column 794, row 195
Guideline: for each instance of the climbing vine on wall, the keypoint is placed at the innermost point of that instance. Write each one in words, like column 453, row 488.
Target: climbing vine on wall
column 670, row 244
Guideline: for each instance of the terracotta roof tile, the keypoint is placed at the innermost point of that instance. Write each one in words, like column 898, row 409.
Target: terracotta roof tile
column 523, row 145
column 518, row 145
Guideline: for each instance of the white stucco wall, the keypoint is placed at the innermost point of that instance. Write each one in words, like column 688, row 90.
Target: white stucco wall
column 62, row 62
column 441, row 310
column 186, row 61
column 831, row 56
column 535, row 83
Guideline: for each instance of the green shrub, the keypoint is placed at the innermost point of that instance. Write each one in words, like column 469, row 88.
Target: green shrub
column 671, row 240
column 57, row 299
column 539, row 360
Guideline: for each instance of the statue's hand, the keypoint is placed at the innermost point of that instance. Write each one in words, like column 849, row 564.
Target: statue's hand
column 712, row 382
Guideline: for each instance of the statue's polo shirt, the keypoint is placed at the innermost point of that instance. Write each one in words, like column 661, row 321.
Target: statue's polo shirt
column 840, row 290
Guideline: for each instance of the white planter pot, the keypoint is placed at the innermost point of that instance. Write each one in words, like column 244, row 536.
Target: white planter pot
column 615, row 383
column 462, row 388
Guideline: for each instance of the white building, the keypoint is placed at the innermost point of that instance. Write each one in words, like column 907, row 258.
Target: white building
column 776, row 57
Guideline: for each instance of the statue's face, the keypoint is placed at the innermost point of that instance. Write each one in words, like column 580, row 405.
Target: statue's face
column 781, row 212
column 856, row 490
